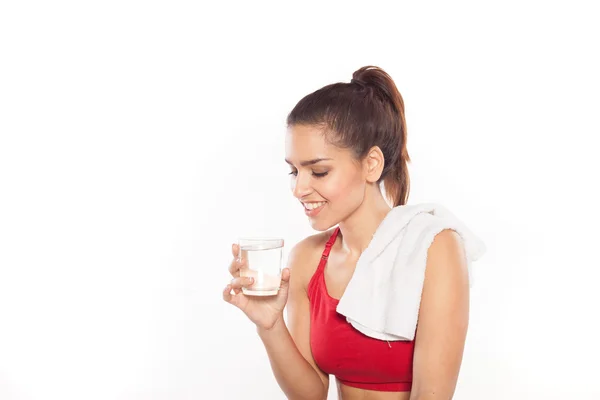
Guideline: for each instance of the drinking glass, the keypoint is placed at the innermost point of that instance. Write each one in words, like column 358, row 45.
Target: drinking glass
column 263, row 258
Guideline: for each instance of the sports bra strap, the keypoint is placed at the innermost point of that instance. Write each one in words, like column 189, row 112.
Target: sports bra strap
column 329, row 244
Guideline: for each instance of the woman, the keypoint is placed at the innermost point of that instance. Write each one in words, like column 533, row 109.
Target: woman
column 342, row 142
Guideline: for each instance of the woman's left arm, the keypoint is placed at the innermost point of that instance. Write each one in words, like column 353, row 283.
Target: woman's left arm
column 443, row 320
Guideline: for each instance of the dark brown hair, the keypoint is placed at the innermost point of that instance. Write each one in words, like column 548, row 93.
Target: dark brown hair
column 367, row 112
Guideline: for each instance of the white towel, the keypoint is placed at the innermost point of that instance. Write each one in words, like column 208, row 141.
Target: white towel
column 383, row 297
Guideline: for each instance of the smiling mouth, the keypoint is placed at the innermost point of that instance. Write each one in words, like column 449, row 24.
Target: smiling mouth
column 313, row 205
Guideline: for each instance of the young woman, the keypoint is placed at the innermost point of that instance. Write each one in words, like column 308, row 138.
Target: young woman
column 343, row 141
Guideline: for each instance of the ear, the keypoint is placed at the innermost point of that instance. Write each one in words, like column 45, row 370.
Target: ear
column 373, row 164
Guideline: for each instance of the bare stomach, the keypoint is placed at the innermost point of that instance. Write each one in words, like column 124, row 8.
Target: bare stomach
column 352, row 393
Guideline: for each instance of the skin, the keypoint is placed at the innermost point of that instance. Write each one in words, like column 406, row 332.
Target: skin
column 355, row 202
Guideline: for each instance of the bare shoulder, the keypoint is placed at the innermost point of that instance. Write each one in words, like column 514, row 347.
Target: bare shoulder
column 447, row 244
column 446, row 260
column 304, row 257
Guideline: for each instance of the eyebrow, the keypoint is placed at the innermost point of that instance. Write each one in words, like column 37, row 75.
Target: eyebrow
column 309, row 162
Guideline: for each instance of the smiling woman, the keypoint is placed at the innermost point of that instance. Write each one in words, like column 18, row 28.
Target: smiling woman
column 343, row 142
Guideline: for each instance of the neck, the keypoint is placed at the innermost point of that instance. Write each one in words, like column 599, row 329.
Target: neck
column 358, row 229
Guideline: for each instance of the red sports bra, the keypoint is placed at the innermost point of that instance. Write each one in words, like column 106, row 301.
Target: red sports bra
column 354, row 358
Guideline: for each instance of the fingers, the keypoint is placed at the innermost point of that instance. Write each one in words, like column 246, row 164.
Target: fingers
column 235, row 266
column 236, row 298
column 231, row 298
column 227, row 296
column 241, row 282
column 236, row 263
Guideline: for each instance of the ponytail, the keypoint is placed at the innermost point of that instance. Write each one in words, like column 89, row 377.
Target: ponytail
column 396, row 179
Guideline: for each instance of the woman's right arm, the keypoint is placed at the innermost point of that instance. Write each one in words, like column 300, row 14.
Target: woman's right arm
column 289, row 349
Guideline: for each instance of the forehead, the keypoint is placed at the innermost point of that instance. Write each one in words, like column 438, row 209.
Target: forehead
column 307, row 142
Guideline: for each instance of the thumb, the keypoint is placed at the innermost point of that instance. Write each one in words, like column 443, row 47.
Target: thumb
column 285, row 278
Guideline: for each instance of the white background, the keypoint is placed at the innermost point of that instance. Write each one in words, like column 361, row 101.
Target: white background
column 138, row 140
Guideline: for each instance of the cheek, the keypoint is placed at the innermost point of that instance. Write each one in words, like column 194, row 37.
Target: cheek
column 347, row 189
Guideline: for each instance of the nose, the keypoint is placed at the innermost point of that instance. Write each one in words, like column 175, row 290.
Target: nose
column 301, row 185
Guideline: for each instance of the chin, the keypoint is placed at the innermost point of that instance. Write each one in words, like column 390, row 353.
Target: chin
column 321, row 226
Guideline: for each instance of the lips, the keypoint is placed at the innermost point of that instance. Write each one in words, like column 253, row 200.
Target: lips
column 313, row 205
column 313, row 208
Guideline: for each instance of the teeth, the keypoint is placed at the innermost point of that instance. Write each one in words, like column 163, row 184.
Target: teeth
column 312, row 206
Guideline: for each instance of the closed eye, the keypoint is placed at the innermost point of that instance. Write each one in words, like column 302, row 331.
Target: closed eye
column 318, row 175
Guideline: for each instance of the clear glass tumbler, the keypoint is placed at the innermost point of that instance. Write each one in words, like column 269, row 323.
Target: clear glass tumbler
column 263, row 263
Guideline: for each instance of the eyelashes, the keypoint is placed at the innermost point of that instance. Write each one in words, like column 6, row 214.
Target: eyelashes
column 315, row 174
